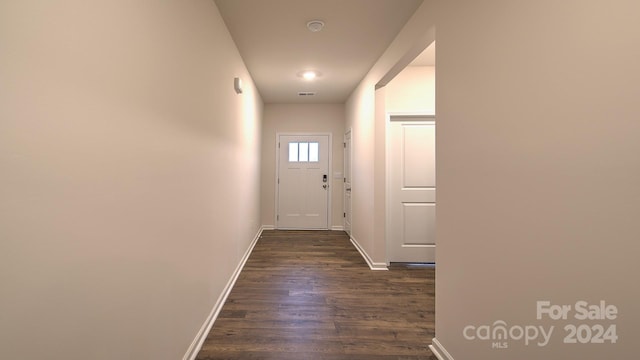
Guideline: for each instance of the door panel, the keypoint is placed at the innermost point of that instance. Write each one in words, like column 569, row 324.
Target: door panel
column 418, row 219
column 303, row 194
column 418, row 159
column 412, row 191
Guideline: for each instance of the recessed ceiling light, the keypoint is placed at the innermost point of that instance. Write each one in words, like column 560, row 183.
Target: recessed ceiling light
column 315, row 25
column 309, row 75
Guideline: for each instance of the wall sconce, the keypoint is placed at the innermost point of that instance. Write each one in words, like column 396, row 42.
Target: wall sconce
column 237, row 85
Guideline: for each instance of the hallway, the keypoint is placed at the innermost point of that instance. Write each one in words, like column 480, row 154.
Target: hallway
column 138, row 144
column 310, row 295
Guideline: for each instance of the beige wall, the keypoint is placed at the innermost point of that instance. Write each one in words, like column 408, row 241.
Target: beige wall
column 359, row 114
column 129, row 175
column 536, row 159
column 303, row 118
column 538, row 171
column 413, row 90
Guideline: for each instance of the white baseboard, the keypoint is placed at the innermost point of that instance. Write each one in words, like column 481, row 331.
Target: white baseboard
column 372, row 265
column 439, row 351
column 332, row 228
column 196, row 345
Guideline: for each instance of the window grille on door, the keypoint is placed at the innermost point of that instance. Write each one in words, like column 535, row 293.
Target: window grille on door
column 304, row 152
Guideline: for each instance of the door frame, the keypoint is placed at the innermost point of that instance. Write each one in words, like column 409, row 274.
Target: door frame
column 329, row 175
column 404, row 116
column 349, row 133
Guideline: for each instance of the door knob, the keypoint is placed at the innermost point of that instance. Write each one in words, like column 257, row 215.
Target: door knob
column 325, row 186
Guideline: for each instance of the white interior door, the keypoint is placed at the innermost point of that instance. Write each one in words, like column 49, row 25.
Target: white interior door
column 303, row 182
column 412, row 190
column 347, row 182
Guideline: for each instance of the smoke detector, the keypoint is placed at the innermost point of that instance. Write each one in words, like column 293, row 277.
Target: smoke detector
column 315, row 25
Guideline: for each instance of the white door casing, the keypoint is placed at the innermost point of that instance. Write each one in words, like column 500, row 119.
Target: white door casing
column 347, row 182
column 411, row 189
column 303, row 181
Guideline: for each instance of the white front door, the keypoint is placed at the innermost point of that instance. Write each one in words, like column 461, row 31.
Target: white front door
column 412, row 189
column 303, row 182
column 347, row 182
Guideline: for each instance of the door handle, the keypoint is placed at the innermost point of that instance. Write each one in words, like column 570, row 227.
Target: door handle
column 348, row 189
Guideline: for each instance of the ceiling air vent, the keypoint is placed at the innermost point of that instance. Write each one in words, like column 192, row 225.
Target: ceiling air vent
column 306, row 93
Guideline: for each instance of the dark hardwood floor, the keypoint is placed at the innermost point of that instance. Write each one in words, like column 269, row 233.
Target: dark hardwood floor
column 310, row 295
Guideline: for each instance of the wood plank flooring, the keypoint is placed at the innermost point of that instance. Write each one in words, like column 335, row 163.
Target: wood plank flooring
column 310, row 295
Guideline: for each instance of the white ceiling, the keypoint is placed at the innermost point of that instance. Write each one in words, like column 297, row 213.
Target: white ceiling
column 276, row 45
